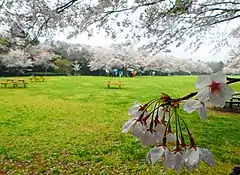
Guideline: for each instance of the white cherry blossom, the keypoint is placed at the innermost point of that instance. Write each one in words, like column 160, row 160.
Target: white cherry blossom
column 150, row 138
column 127, row 126
column 135, row 118
column 214, row 88
column 192, row 105
column 193, row 156
column 135, row 111
column 145, row 136
column 174, row 160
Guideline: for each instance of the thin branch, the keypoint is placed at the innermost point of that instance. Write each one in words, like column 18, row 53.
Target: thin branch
column 220, row 21
column 39, row 31
column 1, row 5
column 232, row 80
column 65, row 6
column 219, row 3
column 58, row 10
column 130, row 8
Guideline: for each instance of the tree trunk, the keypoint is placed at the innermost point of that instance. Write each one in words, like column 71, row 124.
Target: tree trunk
column 46, row 71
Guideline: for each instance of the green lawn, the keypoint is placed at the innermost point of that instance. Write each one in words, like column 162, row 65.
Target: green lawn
column 72, row 125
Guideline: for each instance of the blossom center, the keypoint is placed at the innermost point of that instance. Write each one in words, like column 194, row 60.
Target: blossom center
column 214, row 87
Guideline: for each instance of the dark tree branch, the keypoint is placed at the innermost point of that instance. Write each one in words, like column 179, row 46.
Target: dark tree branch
column 44, row 24
column 220, row 21
column 1, row 5
column 219, row 3
column 65, row 6
column 130, row 8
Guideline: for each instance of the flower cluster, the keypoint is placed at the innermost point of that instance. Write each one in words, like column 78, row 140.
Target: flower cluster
column 158, row 123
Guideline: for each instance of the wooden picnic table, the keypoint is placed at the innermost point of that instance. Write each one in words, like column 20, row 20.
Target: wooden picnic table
column 114, row 83
column 37, row 78
column 235, row 100
column 14, row 82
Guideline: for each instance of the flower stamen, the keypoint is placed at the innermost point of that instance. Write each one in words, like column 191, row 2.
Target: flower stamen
column 214, row 87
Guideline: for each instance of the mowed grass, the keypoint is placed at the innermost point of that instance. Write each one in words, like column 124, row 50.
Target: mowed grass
column 72, row 125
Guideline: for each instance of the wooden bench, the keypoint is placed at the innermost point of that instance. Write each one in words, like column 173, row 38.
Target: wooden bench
column 110, row 84
column 234, row 101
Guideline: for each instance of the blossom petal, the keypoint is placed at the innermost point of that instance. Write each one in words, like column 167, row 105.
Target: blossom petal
column 207, row 156
column 203, row 81
column 139, row 130
column 202, row 112
column 127, row 126
column 203, row 94
column 218, row 77
column 216, row 99
column 169, row 161
column 155, row 154
column 134, row 108
column 178, row 161
column 192, row 105
column 193, row 158
column 160, row 128
column 147, row 139
column 226, row 91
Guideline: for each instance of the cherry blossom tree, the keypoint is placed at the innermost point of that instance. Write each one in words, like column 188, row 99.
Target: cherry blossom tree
column 117, row 56
column 17, row 60
column 160, row 22
column 101, row 56
column 131, row 58
column 203, row 68
column 216, row 66
column 170, row 65
column 43, row 58
column 74, row 52
column 232, row 65
column 114, row 64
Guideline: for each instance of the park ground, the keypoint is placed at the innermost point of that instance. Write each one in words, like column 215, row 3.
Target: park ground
column 72, row 125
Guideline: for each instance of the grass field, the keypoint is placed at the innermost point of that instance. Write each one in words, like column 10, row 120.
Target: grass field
column 72, row 125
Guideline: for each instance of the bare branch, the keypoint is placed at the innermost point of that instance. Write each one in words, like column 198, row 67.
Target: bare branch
column 65, row 6
column 1, row 5
column 131, row 8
